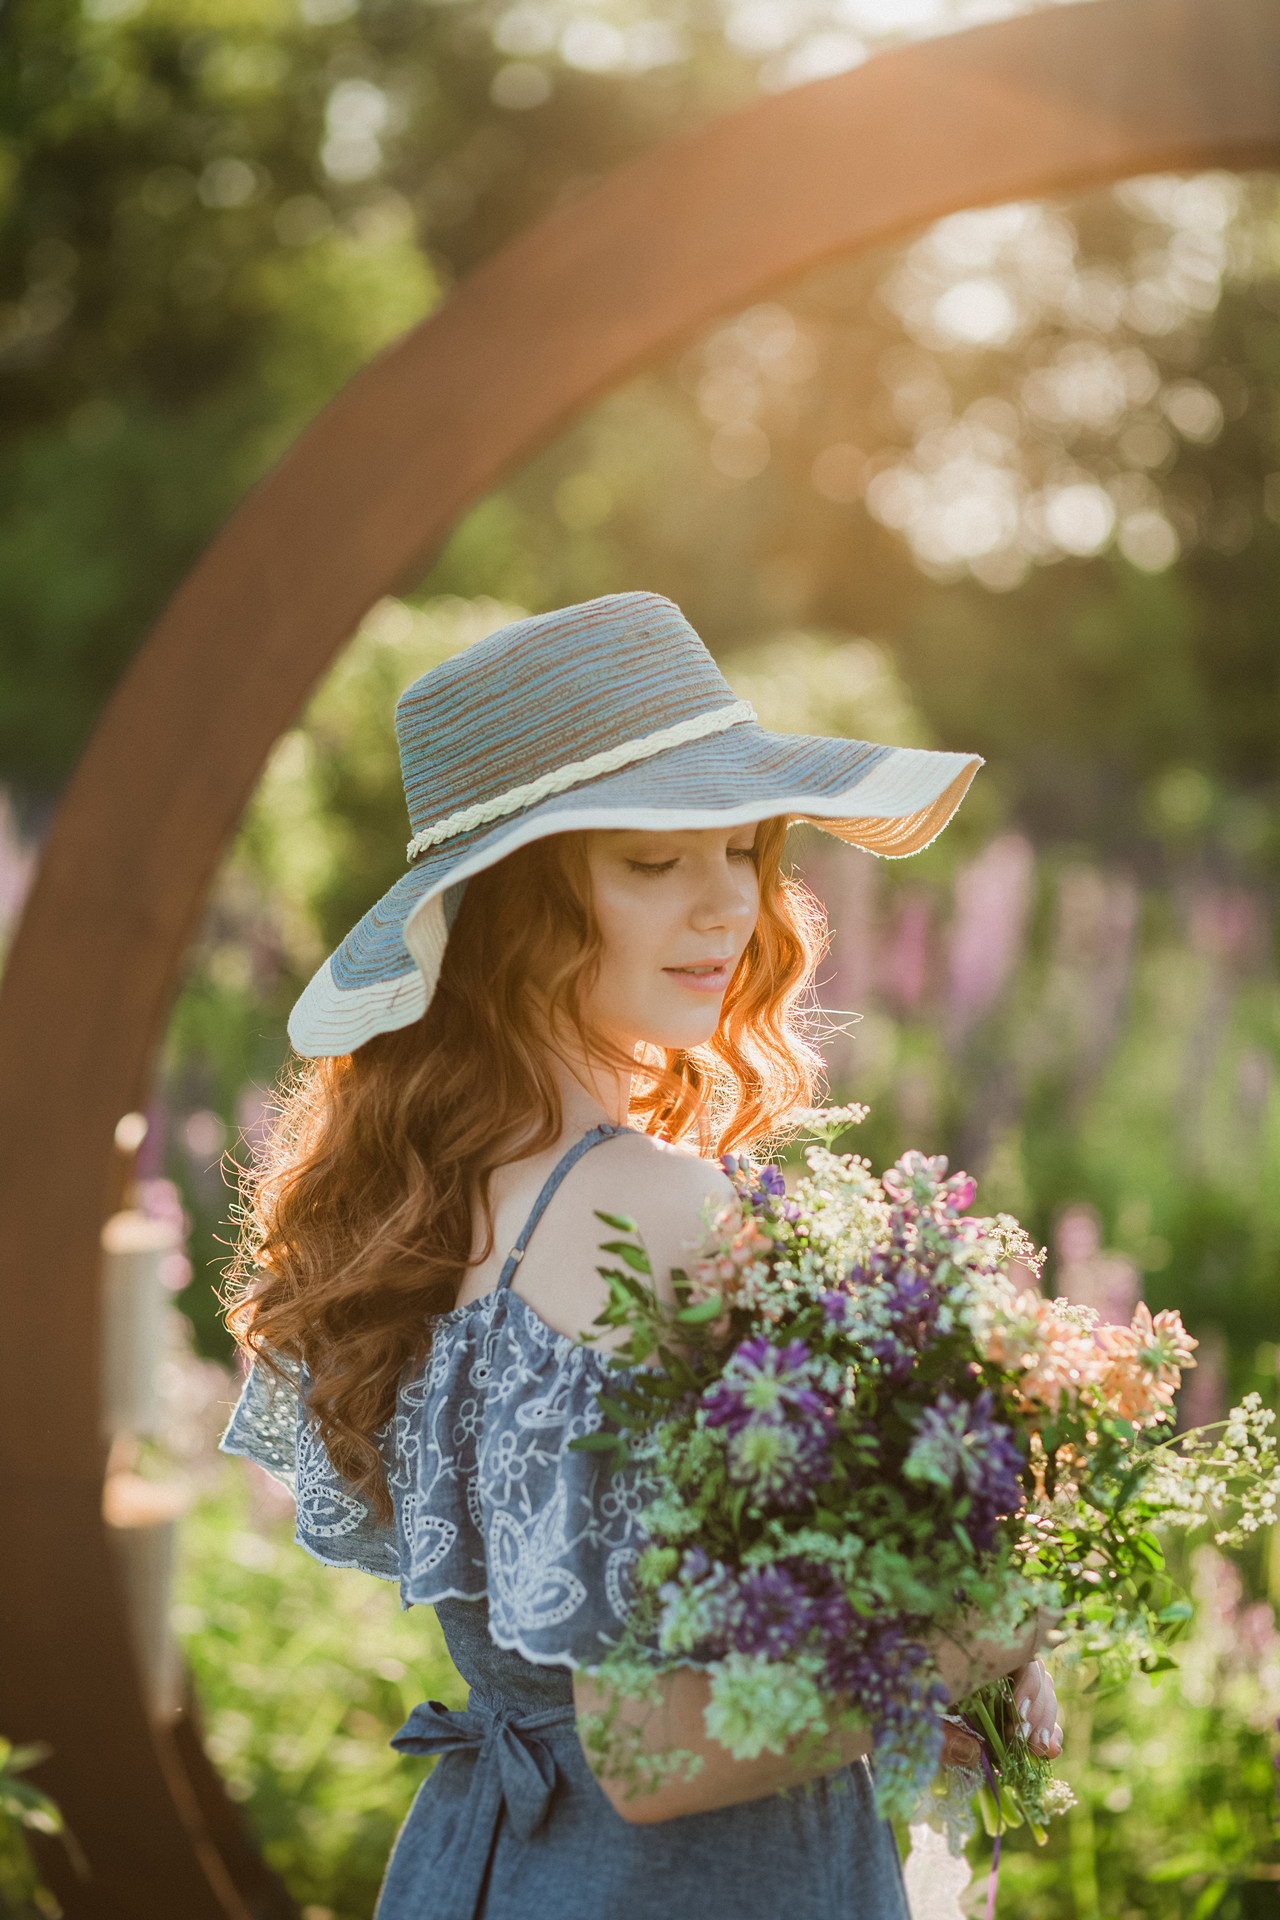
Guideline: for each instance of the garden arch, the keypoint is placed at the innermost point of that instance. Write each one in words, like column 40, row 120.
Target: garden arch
column 1048, row 102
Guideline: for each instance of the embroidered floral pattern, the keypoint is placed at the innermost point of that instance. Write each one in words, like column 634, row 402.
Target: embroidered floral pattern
column 490, row 1501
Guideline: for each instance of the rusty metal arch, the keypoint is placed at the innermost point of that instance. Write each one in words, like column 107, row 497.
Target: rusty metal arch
column 1052, row 101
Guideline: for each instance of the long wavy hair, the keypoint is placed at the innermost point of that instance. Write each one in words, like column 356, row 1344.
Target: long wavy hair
column 357, row 1223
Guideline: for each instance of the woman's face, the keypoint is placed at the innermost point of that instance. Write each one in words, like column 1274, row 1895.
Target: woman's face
column 675, row 912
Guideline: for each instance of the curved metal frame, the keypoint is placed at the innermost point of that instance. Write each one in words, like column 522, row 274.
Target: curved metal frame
column 1052, row 101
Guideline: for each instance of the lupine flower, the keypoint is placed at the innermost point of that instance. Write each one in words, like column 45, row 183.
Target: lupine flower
column 958, row 1443
column 878, row 1663
column 771, row 1613
column 763, row 1189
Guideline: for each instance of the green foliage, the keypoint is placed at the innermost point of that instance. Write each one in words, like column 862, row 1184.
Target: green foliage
column 1176, row 1813
column 212, row 213
column 184, row 293
column 25, row 1810
column 303, row 1676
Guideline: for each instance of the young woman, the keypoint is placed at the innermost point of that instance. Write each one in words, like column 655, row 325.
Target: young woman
column 587, row 986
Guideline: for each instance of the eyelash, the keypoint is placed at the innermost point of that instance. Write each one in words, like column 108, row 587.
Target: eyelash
column 665, row 866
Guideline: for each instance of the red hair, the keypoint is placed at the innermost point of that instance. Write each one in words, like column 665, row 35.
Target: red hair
column 357, row 1224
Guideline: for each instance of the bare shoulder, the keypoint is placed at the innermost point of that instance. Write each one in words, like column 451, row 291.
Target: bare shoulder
column 666, row 1190
column 669, row 1193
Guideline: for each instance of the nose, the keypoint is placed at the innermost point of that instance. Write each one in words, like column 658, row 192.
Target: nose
column 728, row 897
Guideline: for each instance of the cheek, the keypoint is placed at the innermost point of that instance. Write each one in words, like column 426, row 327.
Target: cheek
column 632, row 927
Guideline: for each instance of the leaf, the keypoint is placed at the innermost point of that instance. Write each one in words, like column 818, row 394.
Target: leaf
column 626, row 1283
column 699, row 1315
column 636, row 1257
column 618, row 1221
column 1177, row 1610
column 594, row 1443
column 624, row 1416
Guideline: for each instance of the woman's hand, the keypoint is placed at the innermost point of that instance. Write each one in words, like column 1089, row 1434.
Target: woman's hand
column 1037, row 1705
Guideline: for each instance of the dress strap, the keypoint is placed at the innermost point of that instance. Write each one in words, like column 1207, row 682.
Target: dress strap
column 557, row 1174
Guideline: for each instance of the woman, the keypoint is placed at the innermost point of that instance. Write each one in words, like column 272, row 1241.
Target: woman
column 594, row 958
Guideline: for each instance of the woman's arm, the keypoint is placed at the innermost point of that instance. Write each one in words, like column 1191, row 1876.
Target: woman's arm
column 721, row 1781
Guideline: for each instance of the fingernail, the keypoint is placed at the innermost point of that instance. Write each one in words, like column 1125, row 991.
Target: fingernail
column 1025, row 1718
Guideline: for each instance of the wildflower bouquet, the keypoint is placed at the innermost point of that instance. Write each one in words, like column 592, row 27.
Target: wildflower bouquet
column 867, row 1438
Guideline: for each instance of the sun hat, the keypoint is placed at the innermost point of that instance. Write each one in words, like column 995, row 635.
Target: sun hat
column 608, row 714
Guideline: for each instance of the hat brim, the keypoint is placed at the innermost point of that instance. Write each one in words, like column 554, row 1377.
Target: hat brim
column 891, row 800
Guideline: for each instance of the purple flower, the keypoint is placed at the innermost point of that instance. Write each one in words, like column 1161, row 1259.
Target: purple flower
column 908, row 1301
column 777, row 1426
column 876, row 1662
column 762, row 1382
column 762, row 1188
column 960, row 1445
column 771, row 1613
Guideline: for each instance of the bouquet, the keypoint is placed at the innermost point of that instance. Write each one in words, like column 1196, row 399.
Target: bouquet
column 868, row 1434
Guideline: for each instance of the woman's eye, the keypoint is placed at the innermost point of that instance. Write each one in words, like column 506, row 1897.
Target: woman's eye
column 742, row 853
column 651, row 866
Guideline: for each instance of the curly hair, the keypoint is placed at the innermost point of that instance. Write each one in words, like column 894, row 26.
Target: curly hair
column 357, row 1224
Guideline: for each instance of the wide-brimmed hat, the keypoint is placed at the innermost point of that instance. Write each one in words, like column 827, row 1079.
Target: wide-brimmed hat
column 609, row 714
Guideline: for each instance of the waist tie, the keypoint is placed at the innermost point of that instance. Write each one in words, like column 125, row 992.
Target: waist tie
column 515, row 1771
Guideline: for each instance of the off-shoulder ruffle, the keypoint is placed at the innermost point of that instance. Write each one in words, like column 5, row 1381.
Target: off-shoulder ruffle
column 490, row 1501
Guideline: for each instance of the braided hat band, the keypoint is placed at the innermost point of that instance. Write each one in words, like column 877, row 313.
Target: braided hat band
column 625, row 754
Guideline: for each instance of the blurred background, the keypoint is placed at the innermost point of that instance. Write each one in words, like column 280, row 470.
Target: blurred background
column 1011, row 486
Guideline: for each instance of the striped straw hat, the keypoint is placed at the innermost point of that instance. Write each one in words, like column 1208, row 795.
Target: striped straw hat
column 609, row 714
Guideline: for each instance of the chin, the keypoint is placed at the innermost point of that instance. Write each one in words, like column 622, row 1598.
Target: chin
column 681, row 1036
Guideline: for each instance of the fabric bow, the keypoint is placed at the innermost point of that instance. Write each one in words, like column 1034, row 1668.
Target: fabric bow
column 526, row 1767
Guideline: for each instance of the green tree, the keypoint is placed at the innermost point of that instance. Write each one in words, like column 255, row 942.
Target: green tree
column 212, row 212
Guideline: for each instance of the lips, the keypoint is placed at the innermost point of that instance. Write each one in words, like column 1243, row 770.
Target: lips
column 702, row 976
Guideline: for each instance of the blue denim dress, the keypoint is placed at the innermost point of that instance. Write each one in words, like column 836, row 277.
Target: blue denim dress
column 526, row 1549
